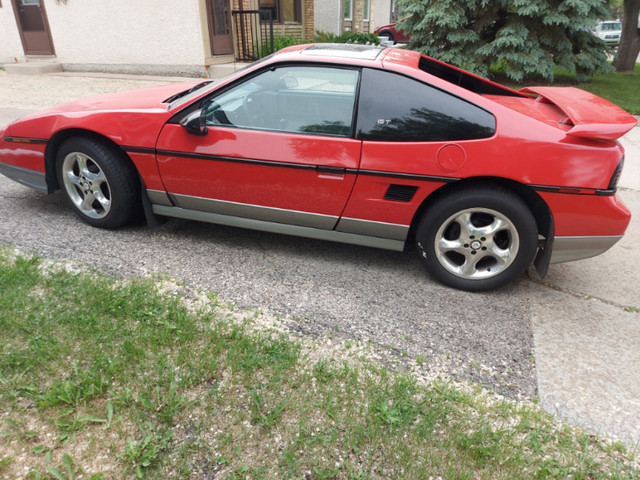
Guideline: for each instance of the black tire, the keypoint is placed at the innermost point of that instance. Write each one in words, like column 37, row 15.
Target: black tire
column 477, row 239
column 99, row 182
column 389, row 35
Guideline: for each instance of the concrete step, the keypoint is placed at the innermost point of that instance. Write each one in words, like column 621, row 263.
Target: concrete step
column 32, row 68
column 221, row 70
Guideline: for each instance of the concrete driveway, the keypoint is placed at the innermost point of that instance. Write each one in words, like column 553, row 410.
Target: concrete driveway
column 580, row 324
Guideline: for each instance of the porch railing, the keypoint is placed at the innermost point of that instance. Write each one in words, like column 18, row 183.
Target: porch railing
column 254, row 33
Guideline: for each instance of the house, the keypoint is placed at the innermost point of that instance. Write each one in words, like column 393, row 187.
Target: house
column 163, row 37
column 338, row 16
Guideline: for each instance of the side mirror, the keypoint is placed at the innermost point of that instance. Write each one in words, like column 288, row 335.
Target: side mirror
column 194, row 124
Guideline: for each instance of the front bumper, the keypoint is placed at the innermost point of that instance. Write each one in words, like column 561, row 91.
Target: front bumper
column 29, row 178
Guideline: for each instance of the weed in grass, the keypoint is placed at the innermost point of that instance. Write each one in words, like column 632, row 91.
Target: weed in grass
column 261, row 414
column 163, row 405
column 4, row 463
column 78, row 387
column 143, row 454
column 18, row 430
column 421, row 359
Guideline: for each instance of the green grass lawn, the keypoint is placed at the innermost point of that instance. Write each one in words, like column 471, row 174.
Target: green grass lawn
column 623, row 89
column 104, row 378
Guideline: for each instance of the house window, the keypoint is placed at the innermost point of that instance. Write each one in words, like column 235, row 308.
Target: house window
column 283, row 11
column 366, row 10
column 348, row 9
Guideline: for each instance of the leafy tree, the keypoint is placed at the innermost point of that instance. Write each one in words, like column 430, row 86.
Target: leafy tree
column 630, row 42
column 525, row 37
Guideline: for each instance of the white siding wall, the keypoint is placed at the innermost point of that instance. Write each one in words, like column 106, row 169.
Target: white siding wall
column 381, row 14
column 10, row 44
column 327, row 16
column 126, row 32
column 142, row 36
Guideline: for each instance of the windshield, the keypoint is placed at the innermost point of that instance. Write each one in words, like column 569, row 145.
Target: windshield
column 184, row 97
column 611, row 26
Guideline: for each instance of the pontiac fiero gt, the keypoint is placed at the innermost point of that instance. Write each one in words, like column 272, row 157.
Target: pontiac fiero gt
column 372, row 146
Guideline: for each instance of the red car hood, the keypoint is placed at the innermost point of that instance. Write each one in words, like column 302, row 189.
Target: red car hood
column 139, row 99
column 578, row 113
column 128, row 118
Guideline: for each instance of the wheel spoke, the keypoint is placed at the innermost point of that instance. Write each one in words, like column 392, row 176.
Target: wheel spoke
column 468, row 268
column 81, row 161
column 87, row 202
column 100, row 197
column 445, row 245
column 494, row 227
column 466, row 227
column 73, row 178
column 502, row 256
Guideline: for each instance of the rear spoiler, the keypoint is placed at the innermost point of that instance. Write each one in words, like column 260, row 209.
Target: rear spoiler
column 589, row 115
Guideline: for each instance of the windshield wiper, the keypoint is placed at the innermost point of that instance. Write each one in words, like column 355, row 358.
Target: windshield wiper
column 175, row 97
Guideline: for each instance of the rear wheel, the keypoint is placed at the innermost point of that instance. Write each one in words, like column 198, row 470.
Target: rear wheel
column 98, row 182
column 477, row 239
column 389, row 35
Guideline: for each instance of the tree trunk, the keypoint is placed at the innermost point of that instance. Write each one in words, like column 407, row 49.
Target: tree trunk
column 630, row 40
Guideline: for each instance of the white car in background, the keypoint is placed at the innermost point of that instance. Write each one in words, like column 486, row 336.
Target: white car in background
column 609, row 31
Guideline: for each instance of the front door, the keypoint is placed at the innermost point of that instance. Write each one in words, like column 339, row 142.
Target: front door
column 219, row 20
column 33, row 27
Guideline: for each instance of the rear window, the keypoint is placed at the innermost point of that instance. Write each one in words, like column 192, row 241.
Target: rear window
column 463, row 79
column 396, row 108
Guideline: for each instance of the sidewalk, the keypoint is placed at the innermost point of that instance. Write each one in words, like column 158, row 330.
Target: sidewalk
column 586, row 328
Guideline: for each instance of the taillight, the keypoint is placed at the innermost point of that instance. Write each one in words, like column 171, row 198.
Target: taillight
column 615, row 178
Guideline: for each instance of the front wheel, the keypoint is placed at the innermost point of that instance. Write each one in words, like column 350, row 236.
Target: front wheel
column 477, row 239
column 98, row 182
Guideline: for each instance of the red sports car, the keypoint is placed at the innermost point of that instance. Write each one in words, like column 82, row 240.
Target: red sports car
column 366, row 145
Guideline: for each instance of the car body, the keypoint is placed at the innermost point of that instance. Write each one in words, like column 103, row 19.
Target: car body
column 609, row 31
column 393, row 33
column 373, row 146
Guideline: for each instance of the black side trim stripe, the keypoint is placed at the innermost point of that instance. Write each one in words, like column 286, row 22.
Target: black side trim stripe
column 408, row 176
column 138, row 149
column 41, row 141
column 355, row 171
column 250, row 161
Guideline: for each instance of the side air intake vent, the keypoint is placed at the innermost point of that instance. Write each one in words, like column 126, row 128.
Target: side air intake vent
column 400, row 193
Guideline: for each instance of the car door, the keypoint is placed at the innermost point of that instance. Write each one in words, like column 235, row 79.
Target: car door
column 278, row 147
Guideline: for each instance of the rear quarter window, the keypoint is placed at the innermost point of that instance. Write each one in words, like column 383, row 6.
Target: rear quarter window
column 396, row 108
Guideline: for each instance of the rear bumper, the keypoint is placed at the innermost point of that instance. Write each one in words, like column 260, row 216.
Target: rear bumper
column 568, row 249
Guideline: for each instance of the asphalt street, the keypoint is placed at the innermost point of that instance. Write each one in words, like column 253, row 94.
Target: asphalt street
column 572, row 340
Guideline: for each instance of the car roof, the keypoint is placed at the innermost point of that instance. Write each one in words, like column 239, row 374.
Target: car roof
column 339, row 52
column 344, row 50
column 352, row 54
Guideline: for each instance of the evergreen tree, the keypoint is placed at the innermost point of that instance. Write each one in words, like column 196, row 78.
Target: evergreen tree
column 524, row 37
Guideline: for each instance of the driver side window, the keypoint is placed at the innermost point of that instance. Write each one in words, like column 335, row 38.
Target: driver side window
column 296, row 99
